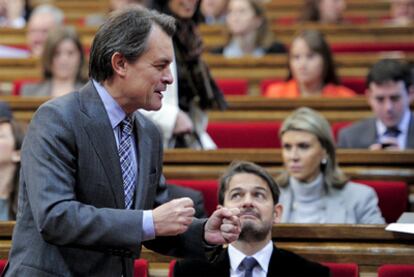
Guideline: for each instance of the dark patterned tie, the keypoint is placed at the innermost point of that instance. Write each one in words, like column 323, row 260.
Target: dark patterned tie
column 247, row 265
column 392, row 132
column 126, row 156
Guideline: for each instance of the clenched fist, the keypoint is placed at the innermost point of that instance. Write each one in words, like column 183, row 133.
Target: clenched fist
column 174, row 217
column 223, row 226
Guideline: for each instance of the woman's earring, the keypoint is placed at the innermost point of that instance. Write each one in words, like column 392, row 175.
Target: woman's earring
column 324, row 161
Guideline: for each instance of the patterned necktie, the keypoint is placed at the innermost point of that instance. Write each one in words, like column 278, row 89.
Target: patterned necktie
column 247, row 265
column 392, row 132
column 126, row 156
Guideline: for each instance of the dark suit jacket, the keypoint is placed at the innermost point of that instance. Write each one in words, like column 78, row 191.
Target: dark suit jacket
column 282, row 264
column 363, row 133
column 71, row 216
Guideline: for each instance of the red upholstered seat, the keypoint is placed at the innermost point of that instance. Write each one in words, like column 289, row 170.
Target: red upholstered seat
column 337, row 126
column 343, row 269
column 392, row 196
column 207, row 187
column 18, row 84
column 255, row 134
column 357, row 84
column 171, row 268
column 372, row 47
column 396, row 270
column 233, row 86
column 3, row 263
column 141, row 268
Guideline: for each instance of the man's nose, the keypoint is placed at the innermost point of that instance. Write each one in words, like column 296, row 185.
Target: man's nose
column 167, row 78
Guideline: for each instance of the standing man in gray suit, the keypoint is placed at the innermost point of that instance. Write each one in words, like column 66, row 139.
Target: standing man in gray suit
column 90, row 194
column 389, row 93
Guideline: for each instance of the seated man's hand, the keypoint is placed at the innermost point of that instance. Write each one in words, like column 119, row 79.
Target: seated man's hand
column 386, row 144
column 223, row 226
column 174, row 217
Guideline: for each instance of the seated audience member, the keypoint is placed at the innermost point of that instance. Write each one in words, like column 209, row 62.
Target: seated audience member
column 311, row 70
column 11, row 138
column 183, row 118
column 42, row 19
column 12, row 13
column 389, row 94
column 114, row 5
column 62, row 62
column 250, row 189
column 324, row 11
column 214, row 11
column 248, row 33
column 313, row 189
column 401, row 12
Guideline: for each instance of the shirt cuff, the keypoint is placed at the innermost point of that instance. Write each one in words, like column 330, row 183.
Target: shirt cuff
column 148, row 232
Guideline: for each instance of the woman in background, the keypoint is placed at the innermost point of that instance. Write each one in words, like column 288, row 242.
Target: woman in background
column 313, row 189
column 62, row 63
column 311, row 70
column 248, row 31
column 182, row 117
column 324, row 11
column 11, row 139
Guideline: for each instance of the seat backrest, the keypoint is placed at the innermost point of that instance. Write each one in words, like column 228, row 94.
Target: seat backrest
column 18, row 84
column 233, row 86
column 141, row 268
column 392, row 197
column 343, row 269
column 396, row 270
column 257, row 134
column 207, row 187
column 171, row 268
column 3, row 263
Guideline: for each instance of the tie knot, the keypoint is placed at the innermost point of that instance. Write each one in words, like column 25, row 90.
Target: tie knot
column 248, row 264
column 126, row 125
column 392, row 132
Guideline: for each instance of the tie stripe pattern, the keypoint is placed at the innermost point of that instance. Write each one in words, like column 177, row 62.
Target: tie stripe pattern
column 126, row 156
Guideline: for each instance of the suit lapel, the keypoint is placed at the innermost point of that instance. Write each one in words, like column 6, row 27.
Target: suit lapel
column 100, row 133
column 143, row 152
column 371, row 133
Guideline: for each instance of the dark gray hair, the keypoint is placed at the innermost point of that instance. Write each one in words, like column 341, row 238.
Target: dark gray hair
column 387, row 70
column 126, row 31
column 238, row 167
column 310, row 121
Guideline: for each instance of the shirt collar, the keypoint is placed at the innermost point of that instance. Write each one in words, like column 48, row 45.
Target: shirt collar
column 115, row 113
column 262, row 256
column 402, row 126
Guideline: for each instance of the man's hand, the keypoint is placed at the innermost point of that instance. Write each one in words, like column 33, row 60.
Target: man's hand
column 223, row 226
column 386, row 144
column 174, row 217
column 183, row 124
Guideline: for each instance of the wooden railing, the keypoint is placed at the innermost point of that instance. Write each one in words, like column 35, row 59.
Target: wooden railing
column 367, row 245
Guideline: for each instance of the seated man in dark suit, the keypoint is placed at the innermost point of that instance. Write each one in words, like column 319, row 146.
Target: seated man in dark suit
column 252, row 190
column 389, row 93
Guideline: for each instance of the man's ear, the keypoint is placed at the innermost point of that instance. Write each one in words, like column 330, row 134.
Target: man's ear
column 119, row 63
column 411, row 94
column 277, row 213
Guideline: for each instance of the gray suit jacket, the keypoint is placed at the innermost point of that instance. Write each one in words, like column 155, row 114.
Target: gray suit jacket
column 354, row 204
column 41, row 89
column 363, row 133
column 71, row 216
